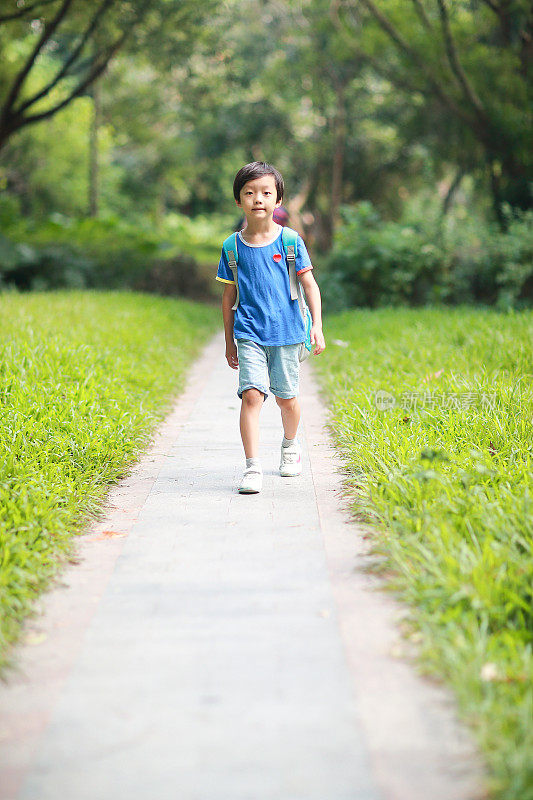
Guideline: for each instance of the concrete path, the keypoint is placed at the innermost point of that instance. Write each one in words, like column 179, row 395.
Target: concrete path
column 215, row 646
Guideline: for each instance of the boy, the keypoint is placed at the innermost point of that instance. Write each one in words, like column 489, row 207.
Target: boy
column 264, row 333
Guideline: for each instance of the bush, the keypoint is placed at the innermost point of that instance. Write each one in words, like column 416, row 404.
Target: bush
column 175, row 276
column 61, row 252
column 382, row 263
column 50, row 267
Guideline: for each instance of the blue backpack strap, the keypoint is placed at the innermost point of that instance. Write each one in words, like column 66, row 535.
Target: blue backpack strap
column 230, row 248
column 290, row 245
column 289, row 237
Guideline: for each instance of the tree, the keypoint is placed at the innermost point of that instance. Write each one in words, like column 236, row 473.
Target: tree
column 472, row 59
column 282, row 85
column 81, row 39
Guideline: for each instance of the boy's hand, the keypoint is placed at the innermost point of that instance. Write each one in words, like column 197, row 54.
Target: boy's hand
column 231, row 355
column 317, row 338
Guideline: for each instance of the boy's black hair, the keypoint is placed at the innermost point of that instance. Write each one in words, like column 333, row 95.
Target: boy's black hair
column 256, row 170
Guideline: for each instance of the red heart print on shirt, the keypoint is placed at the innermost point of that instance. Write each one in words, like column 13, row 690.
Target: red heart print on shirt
column 277, row 257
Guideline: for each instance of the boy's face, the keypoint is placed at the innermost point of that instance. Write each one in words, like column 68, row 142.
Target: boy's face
column 258, row 198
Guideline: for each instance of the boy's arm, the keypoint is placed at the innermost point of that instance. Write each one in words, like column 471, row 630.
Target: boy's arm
column 228, row 315
column 314, row 301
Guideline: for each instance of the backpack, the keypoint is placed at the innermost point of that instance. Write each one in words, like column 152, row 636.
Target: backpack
column 289, row 239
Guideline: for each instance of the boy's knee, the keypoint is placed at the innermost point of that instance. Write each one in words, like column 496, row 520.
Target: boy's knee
column 287, row 402
column 253, row 397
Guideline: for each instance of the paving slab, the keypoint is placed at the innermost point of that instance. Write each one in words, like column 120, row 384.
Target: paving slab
column 216, row 646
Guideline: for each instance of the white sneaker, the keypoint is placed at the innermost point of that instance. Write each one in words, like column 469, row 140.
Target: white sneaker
column 252, row 481
column 291, row 460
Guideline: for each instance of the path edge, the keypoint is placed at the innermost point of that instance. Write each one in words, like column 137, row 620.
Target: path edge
column 417, row 746
column 52, row 636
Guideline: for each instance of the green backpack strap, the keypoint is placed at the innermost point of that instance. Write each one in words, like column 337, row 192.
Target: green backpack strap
column 230, row 248
column 289, row 237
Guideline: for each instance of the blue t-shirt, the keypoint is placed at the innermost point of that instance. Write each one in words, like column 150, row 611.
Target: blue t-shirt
column 266, row 314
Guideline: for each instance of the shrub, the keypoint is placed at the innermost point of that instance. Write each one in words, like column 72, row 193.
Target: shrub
column 93, row 253
column 382, row 263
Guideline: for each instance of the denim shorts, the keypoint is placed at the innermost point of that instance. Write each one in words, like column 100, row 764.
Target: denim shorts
column 267, row 367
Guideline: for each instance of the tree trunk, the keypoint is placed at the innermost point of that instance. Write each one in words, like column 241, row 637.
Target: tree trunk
column 447, row 202
column 495, row 186
column 93, row 151
column 337, row 167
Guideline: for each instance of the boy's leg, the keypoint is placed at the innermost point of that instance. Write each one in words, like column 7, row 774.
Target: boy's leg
column 252, row 402
column 290, row 415
column 284, row 373
column 284, row 370
column 290, row 463
column 253, row 390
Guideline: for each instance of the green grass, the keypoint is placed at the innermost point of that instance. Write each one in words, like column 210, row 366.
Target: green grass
column 84, row 380
column 445, row 481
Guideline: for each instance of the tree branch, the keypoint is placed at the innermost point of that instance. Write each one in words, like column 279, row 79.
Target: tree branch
column 25, row 10
column 504, row 13
column 97, row 70
column 526, row 47
column 491, row 4
column 21, row 77
column 402, row 45
column 390, row 29
column 71, row 59
column 455, row 64
column 393, row 76
column 12, row 121
column 421, row 11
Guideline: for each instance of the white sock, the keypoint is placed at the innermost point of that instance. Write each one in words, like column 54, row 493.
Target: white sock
column 286, row 442
column 253, row 462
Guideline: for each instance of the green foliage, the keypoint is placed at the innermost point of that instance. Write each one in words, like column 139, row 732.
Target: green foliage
column 55, row 52
column 84, row 380
column 493, row 266
column 49, row 163
column 347, row 112
column 110, row 253
column 201, row 236
column 377, row 263
column 465, row 67
column 175, row 130
column 441, row 469
column 319, row 89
